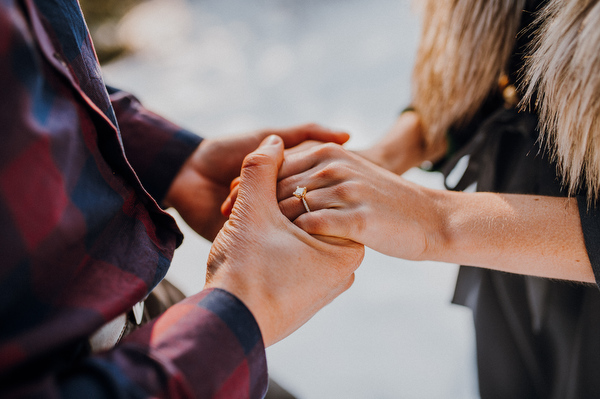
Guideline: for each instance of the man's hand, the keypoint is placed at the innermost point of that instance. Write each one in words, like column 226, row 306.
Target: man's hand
column 282, row 274
column 202, row 184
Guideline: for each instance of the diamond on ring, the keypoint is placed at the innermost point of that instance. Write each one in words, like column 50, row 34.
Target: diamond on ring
column 301, row 193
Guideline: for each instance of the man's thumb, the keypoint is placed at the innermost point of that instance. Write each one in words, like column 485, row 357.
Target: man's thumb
column 260, row 169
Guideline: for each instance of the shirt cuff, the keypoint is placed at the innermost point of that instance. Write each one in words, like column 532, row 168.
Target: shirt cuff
column 212, row 340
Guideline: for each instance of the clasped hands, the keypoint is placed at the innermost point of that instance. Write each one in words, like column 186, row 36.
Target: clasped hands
column 312, row 260
column 351, row 197
column 283, row 263
column 281, row 273
column 353, row 202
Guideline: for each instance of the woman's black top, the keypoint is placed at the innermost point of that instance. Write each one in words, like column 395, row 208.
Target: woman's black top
column 536, row 338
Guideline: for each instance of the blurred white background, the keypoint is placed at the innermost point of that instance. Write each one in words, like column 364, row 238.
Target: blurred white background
column 228, row 66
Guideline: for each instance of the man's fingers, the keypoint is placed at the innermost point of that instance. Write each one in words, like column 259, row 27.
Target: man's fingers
column 234, row 183
column 312, row 131
column 227, row 205
column 302, row 147
column 319, row 133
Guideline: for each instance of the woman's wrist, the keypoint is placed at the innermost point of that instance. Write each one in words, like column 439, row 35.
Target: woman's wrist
column 397, row 149
column 411, row 150
column 435, row 208
column 404, row 146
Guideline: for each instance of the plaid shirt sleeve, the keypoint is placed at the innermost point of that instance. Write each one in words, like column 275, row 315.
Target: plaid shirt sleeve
column 82, row 240
column 155, row 147
column 207, row 346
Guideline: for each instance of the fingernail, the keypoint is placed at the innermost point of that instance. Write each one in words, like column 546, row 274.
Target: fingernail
column 272, row 140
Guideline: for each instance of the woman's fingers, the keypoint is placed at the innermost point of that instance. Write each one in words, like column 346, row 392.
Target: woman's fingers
column 309, row 155
column 338, row 190
column 337, row 197
column 297, row 162
column 326, row 173
column 293, row 206
column 347, row 224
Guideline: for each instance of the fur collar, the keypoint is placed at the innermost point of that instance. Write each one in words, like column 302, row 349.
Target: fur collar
column 465, row 48
column 564, row 73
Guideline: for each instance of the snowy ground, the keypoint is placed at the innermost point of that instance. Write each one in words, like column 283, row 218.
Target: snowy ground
column 228, row 66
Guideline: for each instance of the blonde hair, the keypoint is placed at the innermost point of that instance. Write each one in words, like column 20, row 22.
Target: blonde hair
column 563, row 72
column 465, row 48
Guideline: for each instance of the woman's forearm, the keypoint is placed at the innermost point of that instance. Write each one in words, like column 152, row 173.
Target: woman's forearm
column 352, row 198
column 525, row 234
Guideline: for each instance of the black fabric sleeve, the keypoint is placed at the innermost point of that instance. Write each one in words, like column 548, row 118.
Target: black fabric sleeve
column 590, row 224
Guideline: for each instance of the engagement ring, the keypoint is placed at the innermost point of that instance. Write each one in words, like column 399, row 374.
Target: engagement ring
column 301, row 193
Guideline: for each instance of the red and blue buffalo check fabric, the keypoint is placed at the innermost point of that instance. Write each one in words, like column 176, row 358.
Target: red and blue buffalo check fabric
column 82, row 237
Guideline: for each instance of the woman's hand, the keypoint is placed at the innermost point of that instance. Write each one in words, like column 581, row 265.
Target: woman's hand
column 203, row 182
column 353, row 198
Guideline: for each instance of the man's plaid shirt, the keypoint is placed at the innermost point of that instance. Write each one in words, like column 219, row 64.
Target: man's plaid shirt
column 82, row 238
